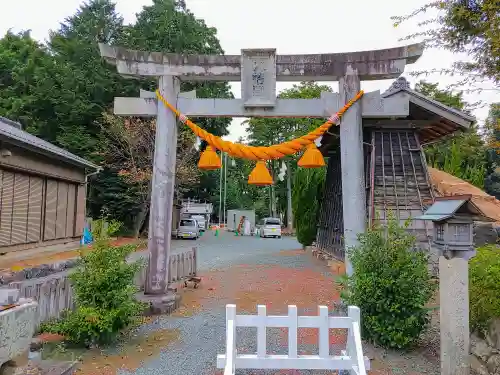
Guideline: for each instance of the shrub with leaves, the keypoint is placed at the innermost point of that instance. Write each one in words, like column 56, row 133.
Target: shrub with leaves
column 484, row 287
column 391, row 284
column 101, row 228
column 104, row 292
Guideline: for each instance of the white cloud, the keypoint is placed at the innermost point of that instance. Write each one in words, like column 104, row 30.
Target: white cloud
column 315, row 26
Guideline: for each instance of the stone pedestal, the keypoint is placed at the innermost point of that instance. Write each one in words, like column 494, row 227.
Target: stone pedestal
column 454, row 313
column 159, row 304
column 17, row 326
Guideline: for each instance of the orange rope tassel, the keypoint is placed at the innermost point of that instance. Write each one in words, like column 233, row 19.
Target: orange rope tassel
column 260, row 153
column 209, row 160
column 312, row 158
column 260, row 175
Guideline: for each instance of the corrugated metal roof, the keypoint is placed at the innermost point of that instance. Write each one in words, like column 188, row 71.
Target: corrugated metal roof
column 442, row 210
column 445, row 207
column 433, row 217
column 24, row 138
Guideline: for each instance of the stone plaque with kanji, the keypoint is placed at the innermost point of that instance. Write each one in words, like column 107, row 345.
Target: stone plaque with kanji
column 258, row 77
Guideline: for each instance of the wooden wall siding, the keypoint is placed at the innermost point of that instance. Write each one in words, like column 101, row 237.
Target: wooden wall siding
column 401, row 184
column 20, row 209
column 50, row 211
column 35, row 206
column 21, row 201
column 6, row 195
column 62, row 209
column 80, row 210
column 35, row 209
column 71, row 211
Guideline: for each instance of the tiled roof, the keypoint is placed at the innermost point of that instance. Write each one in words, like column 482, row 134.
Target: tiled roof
column 12, row 131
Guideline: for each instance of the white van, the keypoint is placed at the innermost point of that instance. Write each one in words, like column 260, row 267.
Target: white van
column 270, row 227
column 188, row 228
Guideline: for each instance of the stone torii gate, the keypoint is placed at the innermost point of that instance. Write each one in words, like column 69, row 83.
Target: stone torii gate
column 258, row 70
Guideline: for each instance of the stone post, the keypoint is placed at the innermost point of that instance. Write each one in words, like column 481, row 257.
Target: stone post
column 160, row 222
column 454, row 313
column 352, row 162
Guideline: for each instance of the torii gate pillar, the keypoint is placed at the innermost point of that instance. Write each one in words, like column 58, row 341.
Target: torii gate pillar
column 162, row 196
column 352, row 164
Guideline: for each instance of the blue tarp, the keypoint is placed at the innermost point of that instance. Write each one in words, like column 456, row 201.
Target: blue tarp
column 87, row 237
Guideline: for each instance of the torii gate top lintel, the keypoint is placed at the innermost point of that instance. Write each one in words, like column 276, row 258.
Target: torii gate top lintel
column 370, row 65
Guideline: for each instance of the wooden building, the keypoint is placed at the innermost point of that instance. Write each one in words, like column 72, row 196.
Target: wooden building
column 396, row 176
column 42, row 191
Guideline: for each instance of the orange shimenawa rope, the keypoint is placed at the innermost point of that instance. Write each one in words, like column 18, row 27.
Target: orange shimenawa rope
column 260, row 153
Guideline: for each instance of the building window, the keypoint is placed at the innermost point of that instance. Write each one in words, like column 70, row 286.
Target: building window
column 439, row 232
column 460, row 232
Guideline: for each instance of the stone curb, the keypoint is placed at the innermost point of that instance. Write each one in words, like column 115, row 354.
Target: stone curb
column 7, row 277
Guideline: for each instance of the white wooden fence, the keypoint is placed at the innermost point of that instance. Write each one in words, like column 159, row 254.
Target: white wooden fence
column 350, row 359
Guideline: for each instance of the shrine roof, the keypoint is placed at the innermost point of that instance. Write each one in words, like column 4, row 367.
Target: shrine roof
column 442, row 120
column 446, row 207
column 431, row 119
column 11, row 132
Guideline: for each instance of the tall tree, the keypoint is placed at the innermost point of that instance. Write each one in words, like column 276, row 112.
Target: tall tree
column 96, row 83
column 34, row 89
column 464, row 155
column 492, row 127
column 470, row 27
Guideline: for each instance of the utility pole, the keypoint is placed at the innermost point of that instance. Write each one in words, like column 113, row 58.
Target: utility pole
column 273, row 192
column 220, row 187
column 225, row 187
column 289, row 212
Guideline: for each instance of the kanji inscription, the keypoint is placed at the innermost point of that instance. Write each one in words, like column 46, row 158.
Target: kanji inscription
column 258, row 77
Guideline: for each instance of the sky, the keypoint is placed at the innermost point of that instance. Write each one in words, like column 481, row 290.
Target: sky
column 292, row 27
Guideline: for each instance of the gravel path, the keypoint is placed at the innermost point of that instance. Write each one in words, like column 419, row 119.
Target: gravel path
column 247, row 271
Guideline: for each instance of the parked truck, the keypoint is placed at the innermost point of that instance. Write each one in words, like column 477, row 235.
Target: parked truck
column 200, row 211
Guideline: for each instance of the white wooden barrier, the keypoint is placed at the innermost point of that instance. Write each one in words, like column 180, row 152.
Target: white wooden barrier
column 351, row 359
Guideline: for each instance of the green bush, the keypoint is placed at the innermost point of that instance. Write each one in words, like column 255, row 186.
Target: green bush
column 101, row 228
column 484, row 287
column 391, row 284
column 104, row 292
column 306, row 196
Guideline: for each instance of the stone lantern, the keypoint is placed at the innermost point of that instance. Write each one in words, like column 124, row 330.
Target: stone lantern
column 453, row 218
